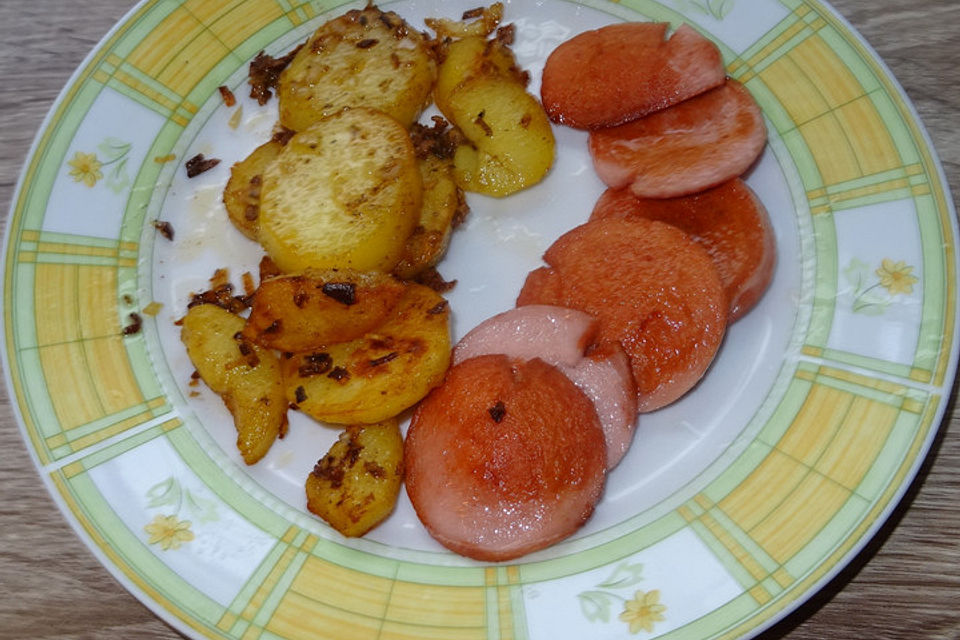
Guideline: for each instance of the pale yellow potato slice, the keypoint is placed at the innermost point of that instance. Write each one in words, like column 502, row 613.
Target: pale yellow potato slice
column 345, row 193
column 468, row 58
column 247, row 377
column 241, row 196
column 366, row 58
column 510, row 135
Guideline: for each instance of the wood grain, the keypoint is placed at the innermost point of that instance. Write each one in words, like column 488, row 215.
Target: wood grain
column 906, row 584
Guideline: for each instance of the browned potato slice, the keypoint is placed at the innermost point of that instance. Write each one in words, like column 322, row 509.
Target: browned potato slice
column 379, row 375
column 513, row 141
column 355, row 486
column 442, row 199
column 345, row 193
column 246, row 376
column 484, row 21
column 308, row 310
column 242, row 193
column 468, row 58
column 363, row 58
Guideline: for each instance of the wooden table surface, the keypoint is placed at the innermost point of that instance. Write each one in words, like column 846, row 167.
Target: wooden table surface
column 905, row 585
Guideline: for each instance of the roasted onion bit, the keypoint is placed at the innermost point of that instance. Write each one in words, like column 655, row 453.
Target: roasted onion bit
column 480, row 122
column 282, row 134
column 246, row 350
column 316, row 364
column 339, row 374
column 439, row 140
column 474, row 22
column 265, row 73
column 136, row 323
column 164, row 227
column 376, row 362
column 228, row 98
column 222, row 296
column 506, row 34
column 438, row 308
column 343, row 292
column 300, row 394
column 198, row 164
column 432, row 278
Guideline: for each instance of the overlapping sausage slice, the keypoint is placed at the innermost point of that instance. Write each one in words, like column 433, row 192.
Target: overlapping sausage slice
column 729, row 221
column 620, row 72
column 689, row 147
column 507, row 456
column 652, row 288
column 566, row 338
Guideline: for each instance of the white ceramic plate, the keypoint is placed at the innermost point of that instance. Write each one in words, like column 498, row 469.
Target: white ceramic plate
column 734, row 504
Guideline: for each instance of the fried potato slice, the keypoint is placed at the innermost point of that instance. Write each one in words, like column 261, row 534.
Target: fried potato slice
column 241, row 196
column 468, row 58
column 379, row 375
column 512, row 142
column 247, row 377
column 345, row 193
column 476, row 22
column 365, row 58
column 356, row 484
column 442, row 200
column 315, row 308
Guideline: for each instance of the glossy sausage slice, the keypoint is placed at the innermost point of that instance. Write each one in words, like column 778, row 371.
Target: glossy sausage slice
column 687, row 148
column 620, row 72
column 729, row 221
column 504, row 458
column 565, row 338
column 652, row 288
column 604, row 375
column 557, row 335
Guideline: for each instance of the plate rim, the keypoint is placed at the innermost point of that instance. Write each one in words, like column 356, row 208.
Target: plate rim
column 904, row 486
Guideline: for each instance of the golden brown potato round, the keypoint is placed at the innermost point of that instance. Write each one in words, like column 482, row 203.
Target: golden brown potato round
column 345, row 193
column 247, row 377
column 241, row 196
column 356, row 484
column 379, row 375
column 442, row 199
column 315, row 308
column 512, row 142
column 363, row 58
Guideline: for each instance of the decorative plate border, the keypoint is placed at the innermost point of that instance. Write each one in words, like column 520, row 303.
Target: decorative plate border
column 91, row 406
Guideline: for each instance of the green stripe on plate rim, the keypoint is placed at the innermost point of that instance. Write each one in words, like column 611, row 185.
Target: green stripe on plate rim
column 31, row 201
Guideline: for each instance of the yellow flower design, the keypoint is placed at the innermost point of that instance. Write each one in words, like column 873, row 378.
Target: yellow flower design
column 168, row 531
column 85, row 168
column 643, row 611
column 895, row 276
